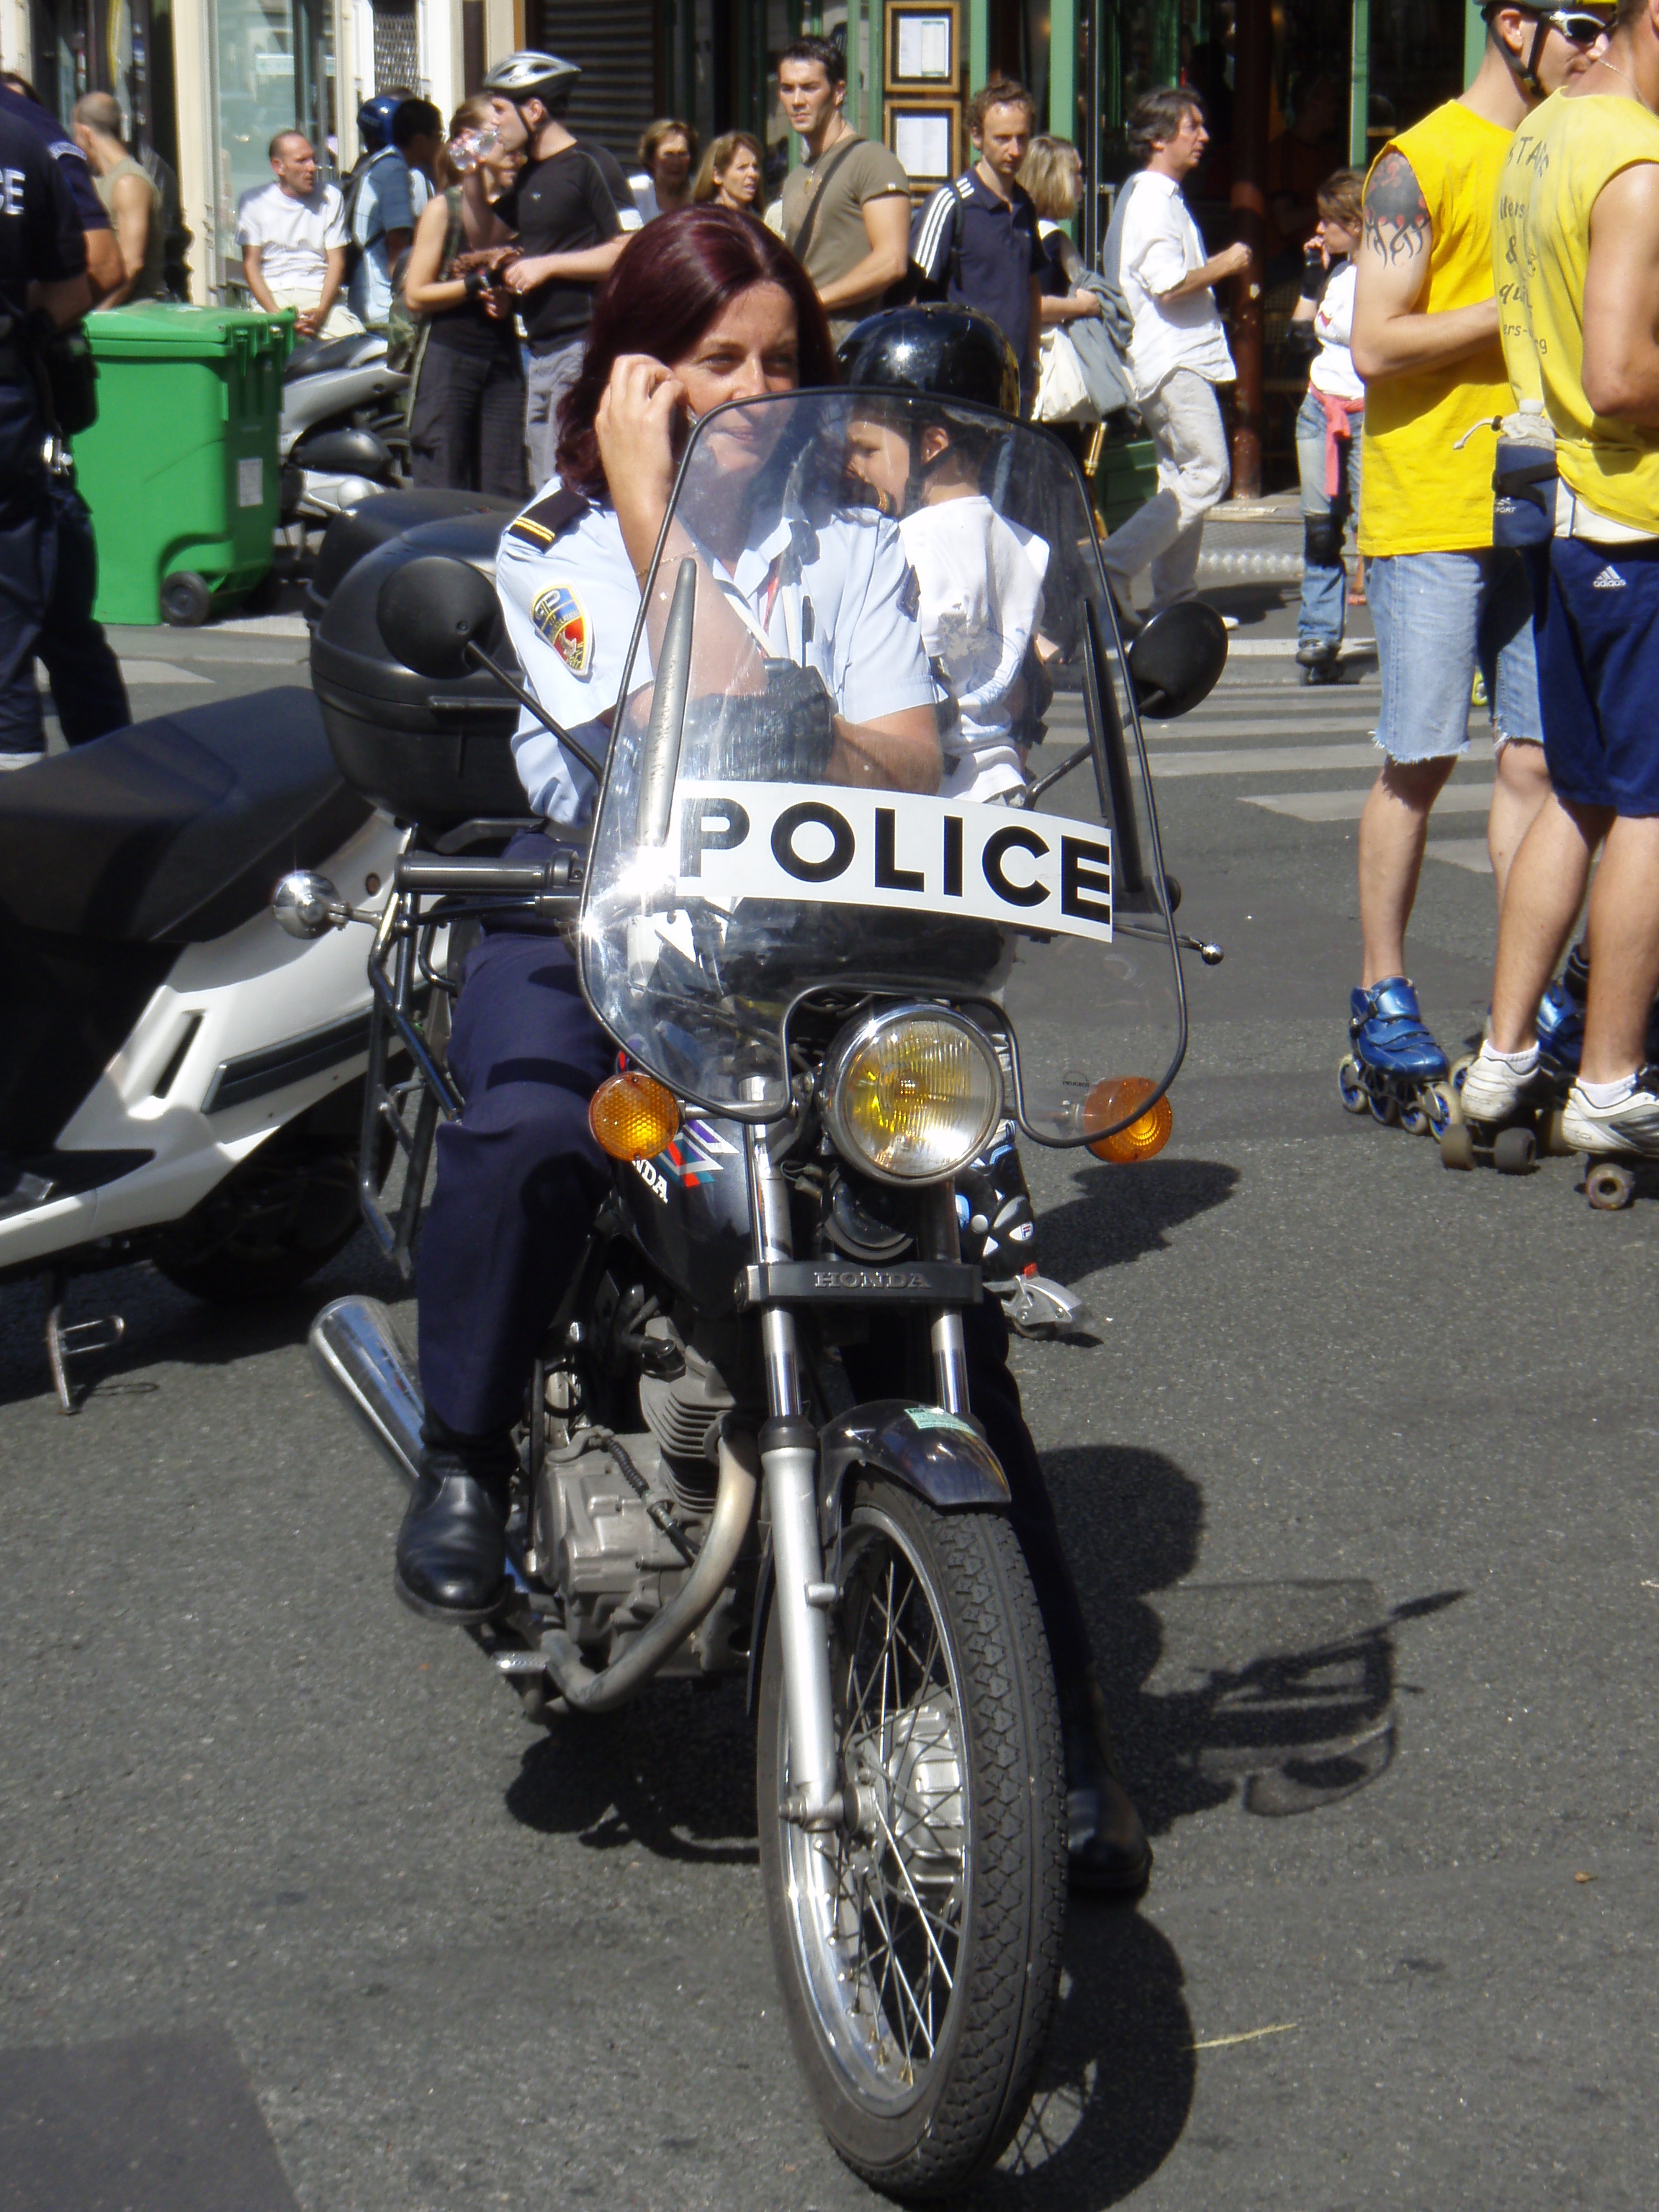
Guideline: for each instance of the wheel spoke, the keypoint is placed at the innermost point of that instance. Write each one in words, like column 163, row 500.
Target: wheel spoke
column 911, row 1890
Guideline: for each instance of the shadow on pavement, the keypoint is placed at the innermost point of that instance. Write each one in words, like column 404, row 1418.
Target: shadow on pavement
column 164, row 1326
column 674, row 1774
column 1120, row 1214
column 1116, row 2081
column 1281, row 1694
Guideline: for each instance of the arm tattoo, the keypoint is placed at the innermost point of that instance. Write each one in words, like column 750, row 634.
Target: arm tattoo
column 1397, row 225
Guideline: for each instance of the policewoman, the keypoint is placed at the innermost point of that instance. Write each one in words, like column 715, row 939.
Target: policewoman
column 704, row 307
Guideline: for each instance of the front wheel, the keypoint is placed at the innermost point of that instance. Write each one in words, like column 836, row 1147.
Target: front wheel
column 918, row 1944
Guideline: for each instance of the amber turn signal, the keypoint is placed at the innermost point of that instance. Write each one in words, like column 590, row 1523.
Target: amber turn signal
column 632, row 1116
column 1147, row 1135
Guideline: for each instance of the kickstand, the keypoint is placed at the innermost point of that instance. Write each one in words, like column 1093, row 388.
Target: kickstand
column 61, row 1344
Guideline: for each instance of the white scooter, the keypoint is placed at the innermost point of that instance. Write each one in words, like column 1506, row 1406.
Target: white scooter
column 182, row 1078
column 343, row 436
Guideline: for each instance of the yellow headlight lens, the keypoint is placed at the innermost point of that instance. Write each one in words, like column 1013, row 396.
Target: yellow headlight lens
column 915, row 1095
column 632, row 1116
column 1146, row 1134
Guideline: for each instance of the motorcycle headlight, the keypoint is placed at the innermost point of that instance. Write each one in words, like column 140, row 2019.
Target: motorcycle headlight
column 912, row 1094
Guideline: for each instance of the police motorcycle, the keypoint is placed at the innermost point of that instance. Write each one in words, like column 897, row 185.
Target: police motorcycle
column 182, row 1078
column 822, row 996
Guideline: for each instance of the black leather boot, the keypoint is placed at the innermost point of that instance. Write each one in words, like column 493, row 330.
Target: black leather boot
column 1106, row 1846
column 452, row 1547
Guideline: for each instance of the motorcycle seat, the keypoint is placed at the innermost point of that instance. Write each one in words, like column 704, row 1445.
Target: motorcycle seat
column 175, row 830
column 319, row 355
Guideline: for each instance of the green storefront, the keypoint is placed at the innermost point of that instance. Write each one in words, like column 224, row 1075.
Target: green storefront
column 1379, row 64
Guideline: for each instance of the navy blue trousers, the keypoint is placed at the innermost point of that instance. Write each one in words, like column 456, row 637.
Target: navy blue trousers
column 48, row 581
column 519, row 1179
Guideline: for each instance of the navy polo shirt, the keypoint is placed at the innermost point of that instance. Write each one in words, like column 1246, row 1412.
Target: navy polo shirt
column 985, row 251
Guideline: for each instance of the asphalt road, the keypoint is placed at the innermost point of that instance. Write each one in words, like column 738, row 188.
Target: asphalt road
column 1355, row 1467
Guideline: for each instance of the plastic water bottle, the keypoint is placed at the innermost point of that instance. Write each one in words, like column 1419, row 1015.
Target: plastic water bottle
column 468, row 147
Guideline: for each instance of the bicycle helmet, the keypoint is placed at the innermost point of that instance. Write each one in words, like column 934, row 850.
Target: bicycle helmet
column 374, row 120
column 530, row 76
column 1526, row 72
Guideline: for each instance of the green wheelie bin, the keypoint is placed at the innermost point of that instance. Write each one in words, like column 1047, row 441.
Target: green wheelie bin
column 180, row 469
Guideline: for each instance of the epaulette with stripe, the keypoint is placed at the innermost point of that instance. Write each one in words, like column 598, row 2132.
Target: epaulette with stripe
column 538, row 525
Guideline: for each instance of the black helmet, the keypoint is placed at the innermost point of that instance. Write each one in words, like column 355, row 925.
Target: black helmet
column 950, row 352
column 530, row 76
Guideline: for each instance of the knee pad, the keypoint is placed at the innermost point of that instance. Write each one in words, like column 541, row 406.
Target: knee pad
column 1322, row 541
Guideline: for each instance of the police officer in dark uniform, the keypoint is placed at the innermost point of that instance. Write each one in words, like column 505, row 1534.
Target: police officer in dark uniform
column 48, row 563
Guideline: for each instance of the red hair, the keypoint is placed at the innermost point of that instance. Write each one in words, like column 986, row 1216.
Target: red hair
column 669, row 284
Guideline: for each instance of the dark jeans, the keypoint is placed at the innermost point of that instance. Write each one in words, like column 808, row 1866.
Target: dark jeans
column 519, row 1178
column 466, row 427
column 48, row 581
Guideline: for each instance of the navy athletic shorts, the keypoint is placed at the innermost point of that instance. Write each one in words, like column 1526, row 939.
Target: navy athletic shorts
column 1598, row 674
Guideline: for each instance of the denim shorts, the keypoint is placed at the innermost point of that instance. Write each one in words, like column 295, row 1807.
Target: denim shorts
column 1598, row 674
column 1437, row 616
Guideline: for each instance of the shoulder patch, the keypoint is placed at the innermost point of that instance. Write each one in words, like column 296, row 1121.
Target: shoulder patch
column 560, row 621
column 541, row 523
column 910, row 597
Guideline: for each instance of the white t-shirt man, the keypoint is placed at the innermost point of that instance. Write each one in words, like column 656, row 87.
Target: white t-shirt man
column 1161, row 244
column 295, row 237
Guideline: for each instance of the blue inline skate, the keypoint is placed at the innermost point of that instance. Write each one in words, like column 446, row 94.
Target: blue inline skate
column 1561, row 1016
column 1394, row 1070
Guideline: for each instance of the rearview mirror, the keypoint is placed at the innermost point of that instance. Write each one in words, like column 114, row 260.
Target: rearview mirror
column 431, row 609
column 1177, row 661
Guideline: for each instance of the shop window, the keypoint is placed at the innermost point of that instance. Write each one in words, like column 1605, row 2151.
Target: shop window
column 273, row 75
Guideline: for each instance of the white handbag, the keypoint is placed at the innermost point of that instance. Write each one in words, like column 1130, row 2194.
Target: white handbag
column 1063, row 393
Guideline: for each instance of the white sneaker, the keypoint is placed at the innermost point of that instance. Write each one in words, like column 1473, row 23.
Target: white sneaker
column 20, row 760
column 1492, row 1089
column 1631, row 1126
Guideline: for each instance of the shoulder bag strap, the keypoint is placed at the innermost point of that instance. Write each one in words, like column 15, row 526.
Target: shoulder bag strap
column 803, row 236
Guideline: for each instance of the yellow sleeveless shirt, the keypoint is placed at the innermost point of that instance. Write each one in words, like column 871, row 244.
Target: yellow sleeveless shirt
column 1562, row 156
column 1421, row 496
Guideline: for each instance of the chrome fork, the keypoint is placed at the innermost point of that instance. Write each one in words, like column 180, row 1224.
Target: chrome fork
column 789, row 1461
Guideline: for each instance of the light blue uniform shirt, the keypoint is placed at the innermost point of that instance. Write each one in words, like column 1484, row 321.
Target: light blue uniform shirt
column 391, row 198
column 571, row 602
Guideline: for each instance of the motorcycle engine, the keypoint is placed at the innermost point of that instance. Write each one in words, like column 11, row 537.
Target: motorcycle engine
column 620, row 1518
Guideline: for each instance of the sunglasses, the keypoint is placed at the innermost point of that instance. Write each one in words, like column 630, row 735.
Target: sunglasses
column 1578, row 26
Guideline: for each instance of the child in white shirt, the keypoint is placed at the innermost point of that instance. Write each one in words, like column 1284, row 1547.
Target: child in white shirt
column 980, row 578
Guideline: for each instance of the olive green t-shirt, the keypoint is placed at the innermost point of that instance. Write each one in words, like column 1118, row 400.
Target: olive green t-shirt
column 839, row 240
column 148, row 284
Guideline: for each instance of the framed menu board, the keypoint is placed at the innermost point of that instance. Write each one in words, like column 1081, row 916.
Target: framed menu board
column 926, row 136
column 921, row 46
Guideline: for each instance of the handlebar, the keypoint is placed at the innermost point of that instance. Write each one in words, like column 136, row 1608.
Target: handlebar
column 432, row 873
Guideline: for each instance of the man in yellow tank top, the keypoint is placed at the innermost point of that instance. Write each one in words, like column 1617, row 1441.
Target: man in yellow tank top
column 1576, row 251
column 1443, row 601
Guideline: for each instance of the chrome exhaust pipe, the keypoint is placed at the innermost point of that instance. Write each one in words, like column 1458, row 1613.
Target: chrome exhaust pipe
column 359, row 1350
column 734, row 1507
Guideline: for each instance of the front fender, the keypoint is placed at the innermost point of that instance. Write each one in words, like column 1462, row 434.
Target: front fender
column 941, row 1457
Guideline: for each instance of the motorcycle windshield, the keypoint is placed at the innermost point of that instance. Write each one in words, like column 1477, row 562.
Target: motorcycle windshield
column 875, row 737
